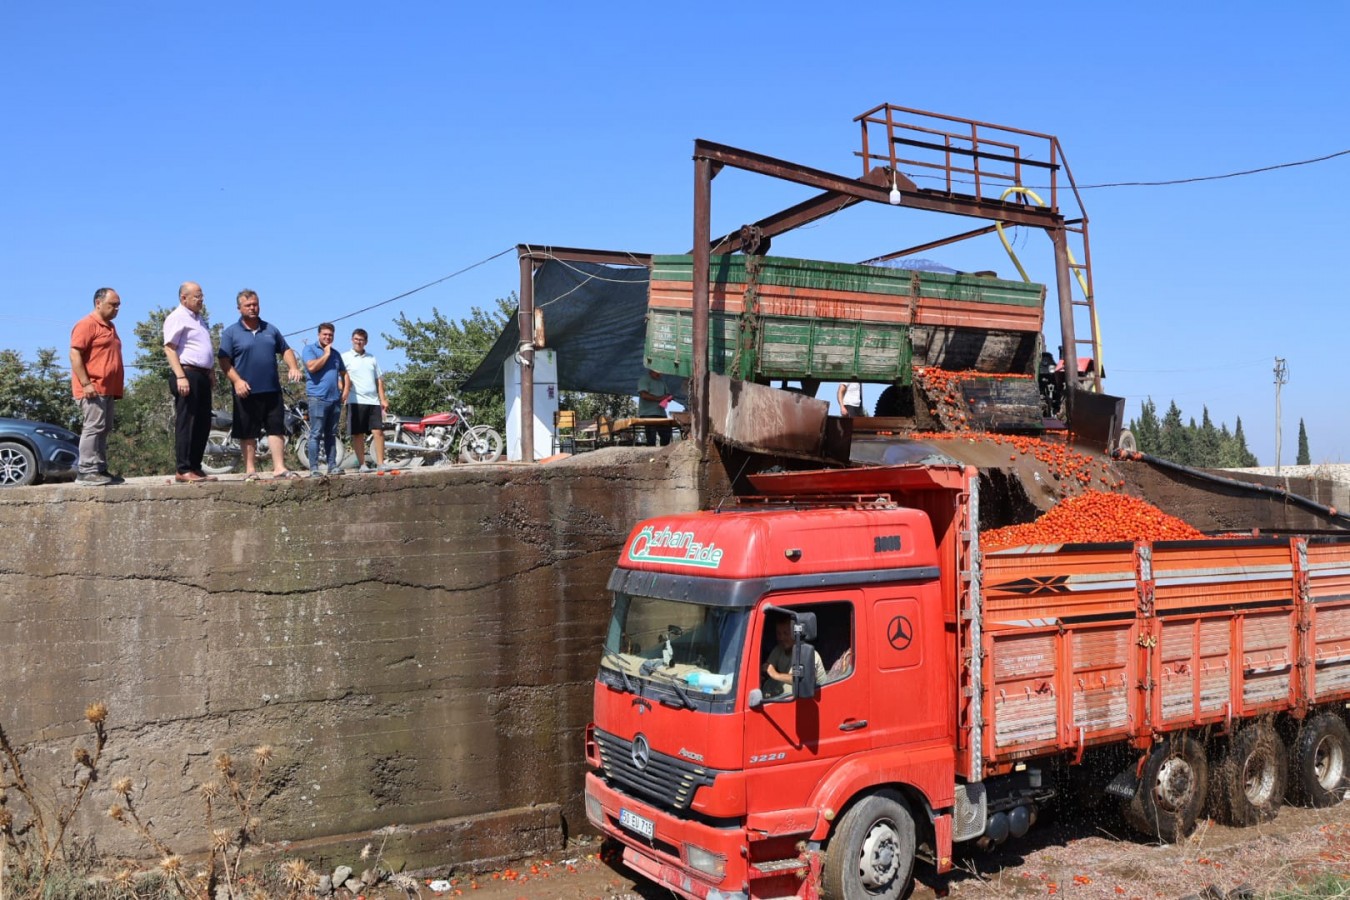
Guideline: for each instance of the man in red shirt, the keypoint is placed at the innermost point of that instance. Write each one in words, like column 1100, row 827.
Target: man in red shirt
column 96, row 378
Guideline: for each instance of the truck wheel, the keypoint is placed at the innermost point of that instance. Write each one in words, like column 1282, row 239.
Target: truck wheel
column 1319, row 764
column 1249, row 782
column 1171, row 790
column 871, row 855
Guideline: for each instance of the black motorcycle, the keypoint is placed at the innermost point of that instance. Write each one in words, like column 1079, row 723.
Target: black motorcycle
column 224, row 455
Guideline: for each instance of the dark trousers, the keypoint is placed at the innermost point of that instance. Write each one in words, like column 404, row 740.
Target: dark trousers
column 659, row 435
column 191, row 419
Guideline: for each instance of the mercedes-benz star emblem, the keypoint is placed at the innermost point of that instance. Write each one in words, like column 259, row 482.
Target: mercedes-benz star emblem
column 899, row 633
column 642, row 752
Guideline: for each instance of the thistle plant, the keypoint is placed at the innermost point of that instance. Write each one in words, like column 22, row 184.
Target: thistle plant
column 230, row 805
column 35, row 831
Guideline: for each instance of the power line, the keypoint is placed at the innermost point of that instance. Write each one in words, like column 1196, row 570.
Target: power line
column 1172, row 181
column 1288, row 165
column 429, row 284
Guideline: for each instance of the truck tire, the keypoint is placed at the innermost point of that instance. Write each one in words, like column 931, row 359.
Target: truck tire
column 871, row 854
column 1171, row 790
column 1320, row 762
column 1249, row 782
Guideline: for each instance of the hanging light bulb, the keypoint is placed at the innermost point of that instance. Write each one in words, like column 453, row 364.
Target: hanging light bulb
column 895, row 196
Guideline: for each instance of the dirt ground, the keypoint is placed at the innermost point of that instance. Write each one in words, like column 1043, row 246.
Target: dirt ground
column 1086, row 860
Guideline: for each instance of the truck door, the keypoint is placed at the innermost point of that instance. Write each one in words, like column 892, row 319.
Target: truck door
column 803, row 738
column 906, row 655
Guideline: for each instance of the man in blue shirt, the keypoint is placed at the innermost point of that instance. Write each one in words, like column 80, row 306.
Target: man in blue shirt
column 325, row 377
column 248, row 357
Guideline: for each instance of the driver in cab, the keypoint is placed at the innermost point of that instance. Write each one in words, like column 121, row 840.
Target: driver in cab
column 777, row 680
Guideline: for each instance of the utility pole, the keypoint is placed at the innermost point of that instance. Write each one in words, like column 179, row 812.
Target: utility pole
column 1281, row 379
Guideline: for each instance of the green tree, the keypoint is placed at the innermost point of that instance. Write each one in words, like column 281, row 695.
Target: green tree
column 441, row 354
column 1175, row 439
column 1245, row 458
column 39, row 390
column 1304, row 455
column 593, row 406
column 1206, row 442
column 1146, row 429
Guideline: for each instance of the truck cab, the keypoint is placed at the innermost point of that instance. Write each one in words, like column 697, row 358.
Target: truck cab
column 771, row 677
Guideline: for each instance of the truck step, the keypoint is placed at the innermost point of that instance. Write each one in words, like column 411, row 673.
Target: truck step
column 776, row 866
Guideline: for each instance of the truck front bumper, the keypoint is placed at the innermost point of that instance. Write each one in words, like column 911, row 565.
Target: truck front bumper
column 696, row 861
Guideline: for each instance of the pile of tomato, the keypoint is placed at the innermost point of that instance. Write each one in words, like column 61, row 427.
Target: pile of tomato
column 1073, row 468
column 1094, row 516
column 942, row 387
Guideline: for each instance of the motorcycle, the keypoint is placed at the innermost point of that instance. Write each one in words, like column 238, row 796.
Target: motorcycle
column 224, row 455
column 444, row 433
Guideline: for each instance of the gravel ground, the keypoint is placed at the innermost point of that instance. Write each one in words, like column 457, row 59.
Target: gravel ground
column 1087, row 861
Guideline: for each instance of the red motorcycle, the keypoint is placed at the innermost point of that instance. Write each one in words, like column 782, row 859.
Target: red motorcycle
column 449, row 433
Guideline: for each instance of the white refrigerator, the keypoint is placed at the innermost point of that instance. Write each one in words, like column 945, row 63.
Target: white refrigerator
column 545, row 404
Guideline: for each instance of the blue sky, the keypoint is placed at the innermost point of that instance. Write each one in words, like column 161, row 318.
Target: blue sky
column 333, row 155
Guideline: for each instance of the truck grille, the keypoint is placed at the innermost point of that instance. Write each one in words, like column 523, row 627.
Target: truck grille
column 666, row 780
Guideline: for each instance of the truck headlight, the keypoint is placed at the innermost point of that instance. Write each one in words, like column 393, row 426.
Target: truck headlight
column 594, row 811
column 705, row 861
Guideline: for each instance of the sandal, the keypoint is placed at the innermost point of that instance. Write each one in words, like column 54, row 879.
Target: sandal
column 253, row 476
column 282, row 475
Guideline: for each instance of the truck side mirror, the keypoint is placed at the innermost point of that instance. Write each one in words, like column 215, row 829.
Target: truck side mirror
column 804, row 626
column 804, row 668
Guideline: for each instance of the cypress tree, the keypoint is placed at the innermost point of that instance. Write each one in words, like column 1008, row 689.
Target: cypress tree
column 1246, row 459
column 1304, row 456
column 1146, row 430
column 1175, row 440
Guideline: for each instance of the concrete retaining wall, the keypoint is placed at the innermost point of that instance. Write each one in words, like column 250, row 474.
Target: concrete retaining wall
column 416, row 649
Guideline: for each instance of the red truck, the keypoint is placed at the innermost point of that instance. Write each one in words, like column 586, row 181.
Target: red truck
column 799, row 695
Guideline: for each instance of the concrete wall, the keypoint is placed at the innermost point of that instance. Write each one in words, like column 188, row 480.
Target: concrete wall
column 417, row 649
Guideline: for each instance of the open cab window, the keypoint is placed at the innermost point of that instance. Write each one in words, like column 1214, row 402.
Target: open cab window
column 833, row 646
column 695, row 647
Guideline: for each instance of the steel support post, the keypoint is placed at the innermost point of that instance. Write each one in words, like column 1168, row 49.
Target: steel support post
column 698, row 393
column 525, row 358
column 1069, row 350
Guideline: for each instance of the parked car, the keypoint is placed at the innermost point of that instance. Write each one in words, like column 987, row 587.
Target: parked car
column 31, row 452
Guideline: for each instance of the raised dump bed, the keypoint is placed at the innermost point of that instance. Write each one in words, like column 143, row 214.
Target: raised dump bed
column 776, row 317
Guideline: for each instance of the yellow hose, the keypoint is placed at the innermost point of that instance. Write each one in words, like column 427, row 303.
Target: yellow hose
column 1082, row 282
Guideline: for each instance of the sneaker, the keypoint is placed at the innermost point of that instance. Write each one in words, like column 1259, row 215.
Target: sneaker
column 334, row 470
column 113, row 479
column 93, row 479
column 364, row 469
column 315, row 473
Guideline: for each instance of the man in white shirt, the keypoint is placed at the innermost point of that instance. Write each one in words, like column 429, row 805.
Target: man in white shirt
column 363, row 393
column 850, row 398
column 187, row 344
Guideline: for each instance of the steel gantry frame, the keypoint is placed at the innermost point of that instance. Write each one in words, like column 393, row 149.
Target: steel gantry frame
column 971, row 159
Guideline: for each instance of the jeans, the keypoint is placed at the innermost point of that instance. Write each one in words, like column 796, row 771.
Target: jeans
column 323, row 423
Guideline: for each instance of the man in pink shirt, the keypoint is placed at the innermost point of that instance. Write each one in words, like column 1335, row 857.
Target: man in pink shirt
column 96, row 379
column 187, row 344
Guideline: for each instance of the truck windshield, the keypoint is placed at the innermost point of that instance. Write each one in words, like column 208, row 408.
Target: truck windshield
column 696, row 647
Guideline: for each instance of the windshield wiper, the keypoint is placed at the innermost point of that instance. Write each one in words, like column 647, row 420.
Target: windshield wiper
column 619, row 666
column 674, row 682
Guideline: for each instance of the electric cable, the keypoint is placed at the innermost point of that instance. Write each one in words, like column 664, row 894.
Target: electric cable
column 429, row 284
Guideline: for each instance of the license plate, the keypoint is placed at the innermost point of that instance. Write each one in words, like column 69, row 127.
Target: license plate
column 633, row 822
